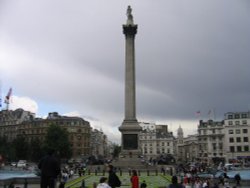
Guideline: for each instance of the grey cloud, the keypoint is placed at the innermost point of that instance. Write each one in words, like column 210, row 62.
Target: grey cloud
column 190, row 55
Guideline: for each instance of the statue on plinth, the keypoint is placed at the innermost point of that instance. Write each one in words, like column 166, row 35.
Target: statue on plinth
column 130, row 16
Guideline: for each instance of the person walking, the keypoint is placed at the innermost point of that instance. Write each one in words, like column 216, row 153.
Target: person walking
column 103, row 183
column 237, row 179
column 175, row 183
column 134, row 180
column 113, row 180
column 50, row 169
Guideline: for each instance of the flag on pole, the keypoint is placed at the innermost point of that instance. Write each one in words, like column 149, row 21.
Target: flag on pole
column 198, row 113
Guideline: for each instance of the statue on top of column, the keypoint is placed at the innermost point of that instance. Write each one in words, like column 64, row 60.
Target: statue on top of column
column 130, row 16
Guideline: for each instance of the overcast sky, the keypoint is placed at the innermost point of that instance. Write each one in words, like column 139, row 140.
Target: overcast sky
column 68, row 56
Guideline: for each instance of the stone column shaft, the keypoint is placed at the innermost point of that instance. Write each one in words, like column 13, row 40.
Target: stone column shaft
column 130, row 92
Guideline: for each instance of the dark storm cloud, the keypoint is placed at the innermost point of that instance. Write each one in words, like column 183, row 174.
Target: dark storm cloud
column 190, row 55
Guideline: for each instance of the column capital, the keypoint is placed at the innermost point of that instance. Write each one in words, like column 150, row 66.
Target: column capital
column 129, row 30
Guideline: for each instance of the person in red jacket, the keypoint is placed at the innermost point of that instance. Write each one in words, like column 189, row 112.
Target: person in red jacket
column 134, row 180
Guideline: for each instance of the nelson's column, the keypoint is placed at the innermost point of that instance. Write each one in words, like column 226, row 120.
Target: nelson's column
column 130, row 128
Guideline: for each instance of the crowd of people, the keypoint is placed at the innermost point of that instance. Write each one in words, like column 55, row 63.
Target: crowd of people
column 50, row 170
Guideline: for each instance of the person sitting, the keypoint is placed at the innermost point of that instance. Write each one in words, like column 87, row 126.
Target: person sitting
column 143, row 184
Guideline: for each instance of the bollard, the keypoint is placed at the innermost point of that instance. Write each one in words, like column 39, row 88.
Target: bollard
column 171, row 171
column 83, row 184
column 95, row 172
column 25, row 183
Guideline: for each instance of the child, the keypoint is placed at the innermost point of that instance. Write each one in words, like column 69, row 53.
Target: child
column 103, row 183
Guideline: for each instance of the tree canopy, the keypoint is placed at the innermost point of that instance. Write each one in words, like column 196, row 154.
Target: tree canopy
column 57, row 139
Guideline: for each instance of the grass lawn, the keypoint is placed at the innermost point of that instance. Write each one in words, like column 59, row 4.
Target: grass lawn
column 152, row 181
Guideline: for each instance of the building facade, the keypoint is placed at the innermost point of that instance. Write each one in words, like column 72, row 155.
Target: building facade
column 155, row 140
column 99, row 143
column 186, row 147
column 211, row 141
column 237, row 136
column 20, row 122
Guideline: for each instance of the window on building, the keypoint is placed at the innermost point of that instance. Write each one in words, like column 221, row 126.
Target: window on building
column 168, row 150
column 214, row 146
column 220, row 145
column 238, row 139
column 230, row 123
column 237, row 131
column 246, row 148
column 244, row 130
column 244, row 122
column 162, row 144
column 244, row 115
column 167, row 143
column 230, row 116
column 213, row 131
column 239, row 148
column 237, row 116
column 231, row 139
column 237, row 122
column 230, row 131
column 231, row 148
column 245, row 139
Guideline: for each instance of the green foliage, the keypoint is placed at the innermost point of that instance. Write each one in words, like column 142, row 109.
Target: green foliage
column 57, row 139
column 117, row 150
column 3, row 145
column 36, row 150
column 21, row 147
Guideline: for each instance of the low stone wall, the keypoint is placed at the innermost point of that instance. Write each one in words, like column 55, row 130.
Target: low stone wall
column 22, row 181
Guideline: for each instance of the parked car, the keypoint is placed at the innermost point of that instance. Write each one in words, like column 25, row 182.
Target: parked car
column 13, row 164
column 22, row 163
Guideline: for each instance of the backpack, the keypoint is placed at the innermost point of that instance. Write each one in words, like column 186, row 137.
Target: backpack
column 117, row 181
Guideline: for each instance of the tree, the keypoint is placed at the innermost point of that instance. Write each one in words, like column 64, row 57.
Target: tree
column 57, row 139
column 21, row 147
column 3, row 147
column 36, row 150
column 117, row 150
